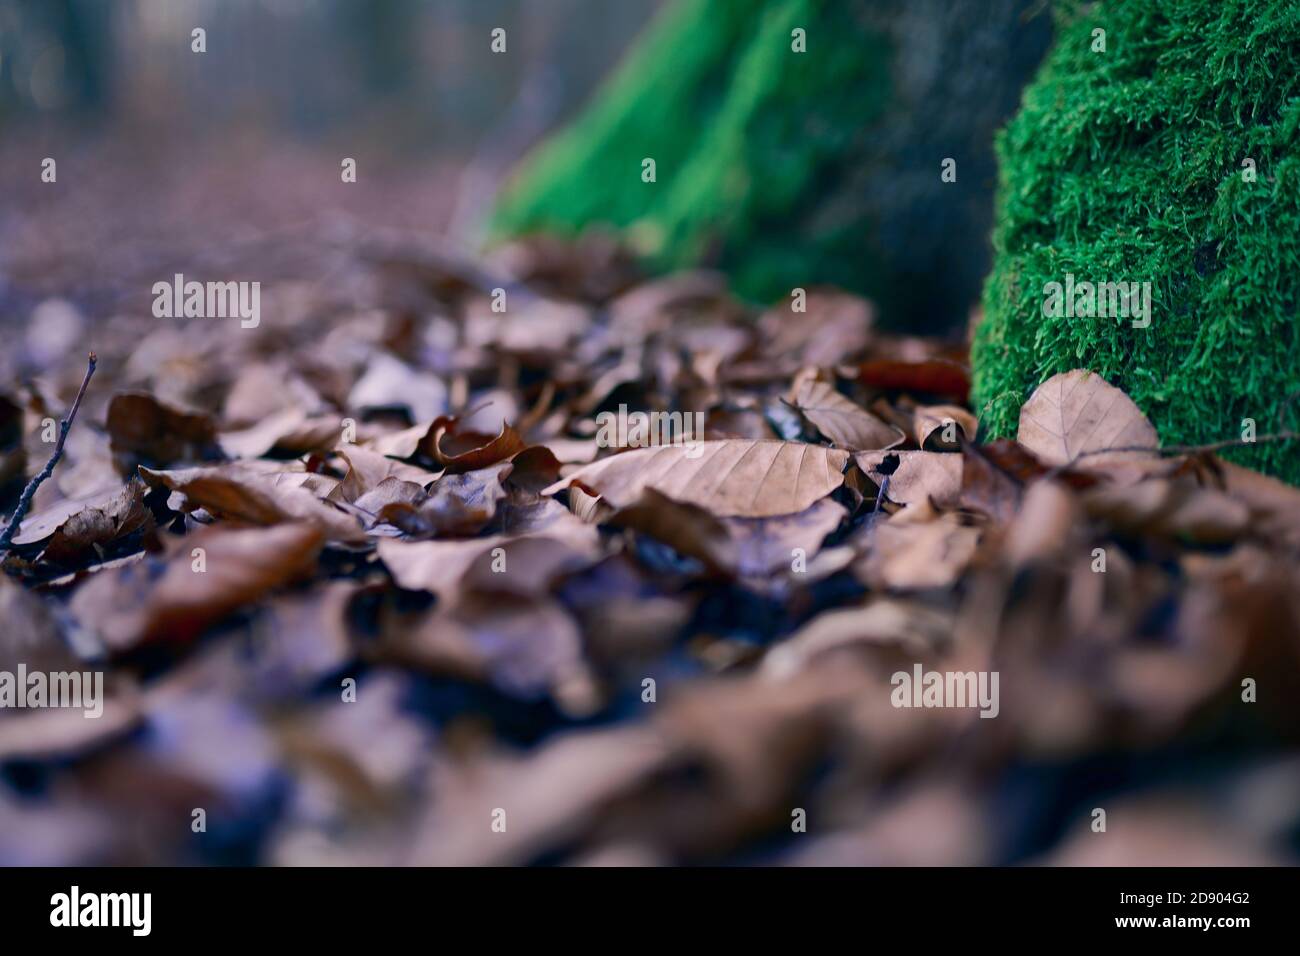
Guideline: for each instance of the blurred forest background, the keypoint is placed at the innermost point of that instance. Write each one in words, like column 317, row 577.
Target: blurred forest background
column 165, row 155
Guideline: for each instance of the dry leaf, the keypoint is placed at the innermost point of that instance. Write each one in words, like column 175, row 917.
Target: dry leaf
column 366, row 469
column 534, row 468
column 467, row 451
column 533, row 325
column 1044, row 527
column 994, row 476
column 205, row 576
column 39, row 525
column 1075, row 415
column 98, row 526
column 1274, row 505
column 530, row 562
column 933, row 421
column 1176, row 508
column 405, row 442
column 919, row 554
column 918, row 476
column 31, row 633
column 559, row 790
column 687, row 528
column 572, row 451
column 257, row 497
column 454, row 505
column 911, row 626
column 846, row 424
column 390, row 491
column 526, row 647
column 769, row 545
column 60, row 733
column 391, row 383
column 144, row 431
column 834, row 327
column 929, row 377
column 734, row 477
column 288, row 431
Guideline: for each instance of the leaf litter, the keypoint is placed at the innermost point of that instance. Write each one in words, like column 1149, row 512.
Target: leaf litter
column 647, row 655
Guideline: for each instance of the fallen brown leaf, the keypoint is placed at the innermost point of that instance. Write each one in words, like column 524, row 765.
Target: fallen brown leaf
column 526, row 647
column 528, row 563
column 914, row 555
column 919, row 475
column 467, row 451
column 389, row 382
column 460, row 504
column 99, row 525
column 144, row 431
column 734, row 477
column 933, row 421
column 787, row 544
column 258, row 497
column 845, row 423
column 205, row 576
column 930, row 377
column 1074, row 416
column 289, row 431
column 366, row 469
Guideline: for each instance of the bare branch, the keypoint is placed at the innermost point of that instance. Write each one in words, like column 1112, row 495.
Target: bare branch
column 25, row 501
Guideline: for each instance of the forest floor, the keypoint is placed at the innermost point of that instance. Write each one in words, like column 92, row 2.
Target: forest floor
column 368, row 584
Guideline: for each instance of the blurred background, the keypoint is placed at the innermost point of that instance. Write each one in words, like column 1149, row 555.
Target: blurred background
column 163, row 153
column 815, row 169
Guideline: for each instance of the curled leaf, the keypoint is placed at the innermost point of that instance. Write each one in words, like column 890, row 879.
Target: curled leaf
column 845, row 423
column 466, row 451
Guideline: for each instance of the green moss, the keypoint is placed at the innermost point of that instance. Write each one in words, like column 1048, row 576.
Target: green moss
column 793, row 169
column 1127, row 165
column 582, row 176
column 739, row 126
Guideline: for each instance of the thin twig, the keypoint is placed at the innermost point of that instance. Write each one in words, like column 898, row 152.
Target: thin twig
column 1191, row 449
column 25, row 501
column 875, row 512
column 1283, row 435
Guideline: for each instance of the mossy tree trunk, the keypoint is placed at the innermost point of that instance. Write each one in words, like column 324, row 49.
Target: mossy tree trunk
column 1160, row 144
column 790, row 168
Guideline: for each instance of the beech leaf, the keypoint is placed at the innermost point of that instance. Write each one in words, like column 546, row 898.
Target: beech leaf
column 845, row 423
column 733, row 477
column 1079, row 413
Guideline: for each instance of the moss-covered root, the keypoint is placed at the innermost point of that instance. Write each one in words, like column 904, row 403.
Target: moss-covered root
column 789, row 167
column 1163, row 150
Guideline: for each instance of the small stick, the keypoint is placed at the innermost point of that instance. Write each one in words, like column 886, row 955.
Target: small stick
column 25, row 501
column 1284, row 434
column 880, row 496
column 875, row 512
column 1191, row 449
